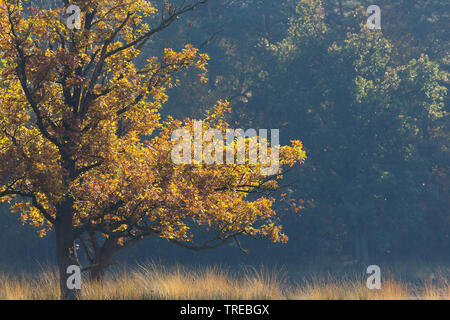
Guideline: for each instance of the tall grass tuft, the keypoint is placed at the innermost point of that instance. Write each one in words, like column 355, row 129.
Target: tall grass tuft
column 155, row 281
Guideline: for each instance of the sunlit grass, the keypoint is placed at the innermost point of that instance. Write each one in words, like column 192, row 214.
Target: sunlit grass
column 154, row 281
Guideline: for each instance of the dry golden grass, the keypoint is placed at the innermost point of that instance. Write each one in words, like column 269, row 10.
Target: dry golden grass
column 351, row 289
column 156, row 282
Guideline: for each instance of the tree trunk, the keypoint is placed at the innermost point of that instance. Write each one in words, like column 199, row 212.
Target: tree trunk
column 65, row 249
column 361, row 250
column 104, row 259
column 97, row 273
column 341, row 9
column 364, row 252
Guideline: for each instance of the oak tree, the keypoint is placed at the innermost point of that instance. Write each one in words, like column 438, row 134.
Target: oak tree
column 85, row 151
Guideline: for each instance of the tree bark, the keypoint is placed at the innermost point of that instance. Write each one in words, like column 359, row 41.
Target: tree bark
column 97, row 273
column 103, row 259
column 65, row 248
column 341, row 9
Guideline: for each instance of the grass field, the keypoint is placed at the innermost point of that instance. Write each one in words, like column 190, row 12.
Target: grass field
column 154, row 281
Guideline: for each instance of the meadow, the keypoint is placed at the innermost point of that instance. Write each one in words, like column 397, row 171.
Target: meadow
column 154, row 281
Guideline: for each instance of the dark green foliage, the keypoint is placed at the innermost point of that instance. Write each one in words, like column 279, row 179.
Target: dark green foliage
column 374, row 129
